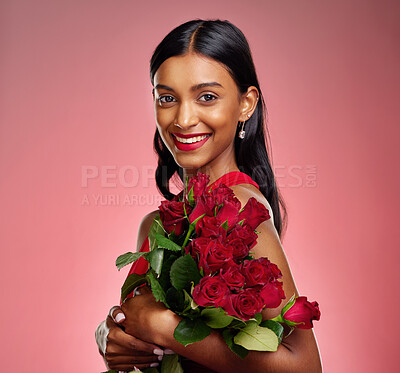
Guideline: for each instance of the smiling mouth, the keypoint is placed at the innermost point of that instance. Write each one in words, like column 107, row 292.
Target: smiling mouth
column 191, row 140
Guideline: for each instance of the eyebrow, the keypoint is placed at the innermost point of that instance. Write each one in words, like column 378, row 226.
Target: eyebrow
column 192, row 88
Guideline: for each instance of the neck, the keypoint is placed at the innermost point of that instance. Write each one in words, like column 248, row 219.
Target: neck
column 215, row 171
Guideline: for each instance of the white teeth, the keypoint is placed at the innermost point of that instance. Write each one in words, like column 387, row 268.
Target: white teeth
column 191, row 140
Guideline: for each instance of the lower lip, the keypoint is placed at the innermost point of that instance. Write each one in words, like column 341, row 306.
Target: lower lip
column 189, row 147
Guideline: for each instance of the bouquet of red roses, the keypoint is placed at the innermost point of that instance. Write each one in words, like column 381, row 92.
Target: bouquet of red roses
column 201, row 267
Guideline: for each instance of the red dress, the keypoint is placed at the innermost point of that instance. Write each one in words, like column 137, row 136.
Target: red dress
column 232, row 178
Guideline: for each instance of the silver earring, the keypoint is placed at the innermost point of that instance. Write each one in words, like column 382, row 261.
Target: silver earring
column 242, row 131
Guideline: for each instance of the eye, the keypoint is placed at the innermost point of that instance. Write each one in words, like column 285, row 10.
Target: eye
column 207, row 97
column 165, row 99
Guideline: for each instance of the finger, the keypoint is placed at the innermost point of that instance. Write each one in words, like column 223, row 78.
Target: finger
column 117, row 315
column 130, row 343
column 131, row 359
column 130, row 367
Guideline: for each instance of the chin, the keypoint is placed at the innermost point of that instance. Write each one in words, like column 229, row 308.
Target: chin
column 190, row 162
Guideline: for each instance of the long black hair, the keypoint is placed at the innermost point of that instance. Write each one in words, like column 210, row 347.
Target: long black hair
column 225, row 43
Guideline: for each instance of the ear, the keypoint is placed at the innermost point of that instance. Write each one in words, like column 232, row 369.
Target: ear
column 248, row 103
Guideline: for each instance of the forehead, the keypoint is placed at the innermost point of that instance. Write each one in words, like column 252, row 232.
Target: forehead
column 190, row 69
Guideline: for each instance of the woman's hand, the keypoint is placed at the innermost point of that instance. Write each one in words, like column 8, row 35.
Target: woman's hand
column 121, row 351
column 146, row 318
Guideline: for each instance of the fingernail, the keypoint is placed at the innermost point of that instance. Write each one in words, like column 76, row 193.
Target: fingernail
column 167, row 351
column 160, row 358
column 158, row 351
column 120, row 317
column 136, row 369
column 153, row 365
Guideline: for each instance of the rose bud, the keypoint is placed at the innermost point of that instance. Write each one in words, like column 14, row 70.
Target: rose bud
column 239, row 249
column 244, row 233
column 232, row 276
column 255, row 272
column 172, row 216
column 302, row 313
column 229, row 211
column 196, row 246
column 272, row 294
column 199, row 184
column 211, row 291
column 210, row 227
column 245, row 304
column 215, row 257
column 222, row 192
column 254, row 213
column 205, row 204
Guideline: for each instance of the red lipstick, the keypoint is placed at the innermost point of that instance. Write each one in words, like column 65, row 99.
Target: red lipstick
column 189, row 146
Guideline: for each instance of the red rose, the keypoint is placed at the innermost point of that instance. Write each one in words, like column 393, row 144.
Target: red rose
column 214, row 257
column 210, row 227
column 172, row 215
column 239, row 249
column 255, row 272
column 196, row 246
column 229, row 211
column 198, row 183
column 245, row 304
column 272, row 270
column 233, row 277
column 303, row 312
column 211, row 291
column 272, row 294
column 205, row 204
column 222, row 192
column 245, row 234
column 254, row 213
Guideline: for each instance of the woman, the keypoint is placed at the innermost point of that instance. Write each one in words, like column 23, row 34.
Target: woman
column 210, row 118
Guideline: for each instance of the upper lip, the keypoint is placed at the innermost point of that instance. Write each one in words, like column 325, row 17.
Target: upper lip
column 189, row 135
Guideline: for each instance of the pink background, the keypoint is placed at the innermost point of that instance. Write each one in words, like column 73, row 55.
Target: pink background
column 76, row 103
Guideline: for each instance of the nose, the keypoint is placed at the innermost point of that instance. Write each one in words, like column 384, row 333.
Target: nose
column 186, row 116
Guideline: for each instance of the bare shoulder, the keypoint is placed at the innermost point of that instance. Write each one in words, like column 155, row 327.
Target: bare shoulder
column 144, row 227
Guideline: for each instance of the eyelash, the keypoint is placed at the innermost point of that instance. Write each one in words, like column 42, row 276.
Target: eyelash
column 167, row 102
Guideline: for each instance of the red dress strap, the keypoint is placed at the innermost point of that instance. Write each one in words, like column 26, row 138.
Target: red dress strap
column 231, row 178
column 234, row 178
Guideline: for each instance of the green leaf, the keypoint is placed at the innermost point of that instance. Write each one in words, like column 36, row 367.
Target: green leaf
column 156, row 288
column 131, row 282
column 190, row 197
column 128, row 258
column 257, row 338
column 289, row 304
column 164, row 242
column 228, row 335
column 175, row 299
column 225, row 225
column 155, row 258
column 237, row 324
column 171, row 364
column 275, row 327
column 155, row 228
column 216, row 318
column 190, row 331
column 183, row 271
column 258, row 318
column 163, row 278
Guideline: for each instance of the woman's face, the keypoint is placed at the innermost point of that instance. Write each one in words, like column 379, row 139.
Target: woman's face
column 197, row 108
